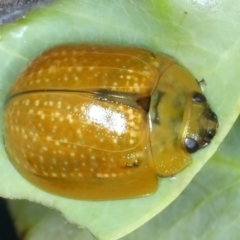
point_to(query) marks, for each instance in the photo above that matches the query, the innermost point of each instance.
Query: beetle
(100, 122)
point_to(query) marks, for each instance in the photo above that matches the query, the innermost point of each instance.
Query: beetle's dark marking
(153, 55)
(156, 118)
(135, 163)
(100, 91)
(144, 103)
(123, 95)
(131, 102)
(40, 91)
(101, 94)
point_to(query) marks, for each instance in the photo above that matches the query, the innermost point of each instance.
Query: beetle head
(202, 123)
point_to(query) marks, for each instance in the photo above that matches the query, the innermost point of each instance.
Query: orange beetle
(102, 122)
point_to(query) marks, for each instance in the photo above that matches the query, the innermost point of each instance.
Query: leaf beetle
(103, 122)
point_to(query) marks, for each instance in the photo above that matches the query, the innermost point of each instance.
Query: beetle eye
(211, 115)
(210, 134)
(191, 145)
(199, 97)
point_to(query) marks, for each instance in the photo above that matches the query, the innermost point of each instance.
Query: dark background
(7, 231)
(10, 10)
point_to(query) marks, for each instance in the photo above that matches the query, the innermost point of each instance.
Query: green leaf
(203, 37)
